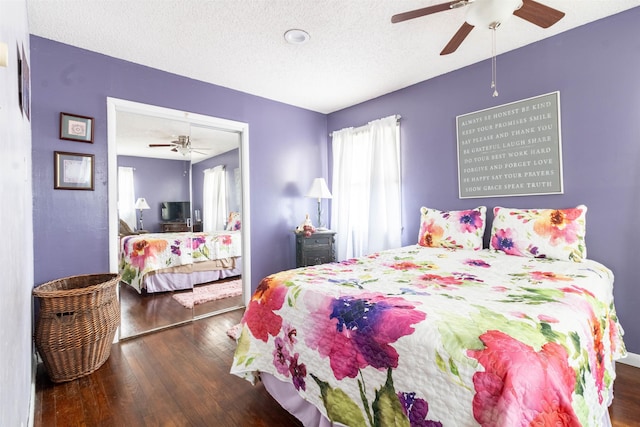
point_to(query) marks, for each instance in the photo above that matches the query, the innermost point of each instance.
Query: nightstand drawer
(317, 257)
(315, 249)
(313, 242)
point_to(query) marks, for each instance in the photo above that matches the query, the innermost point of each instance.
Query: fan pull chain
(494, 73)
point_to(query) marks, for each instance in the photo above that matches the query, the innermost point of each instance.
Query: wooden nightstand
(174, 227)
(315, 249)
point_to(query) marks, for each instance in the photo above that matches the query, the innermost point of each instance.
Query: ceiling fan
(182, 145)
(487, 13)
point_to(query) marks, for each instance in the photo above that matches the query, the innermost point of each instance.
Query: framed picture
(513, 149)
(73, 171)
(25, 91)
(76, 128)
(20, 79)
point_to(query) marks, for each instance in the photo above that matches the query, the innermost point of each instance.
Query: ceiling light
(295, 36)
(491, 13)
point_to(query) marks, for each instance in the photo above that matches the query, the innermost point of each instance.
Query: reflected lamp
(141, 204)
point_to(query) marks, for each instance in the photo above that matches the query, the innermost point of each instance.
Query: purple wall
(157, 180)
(596, 69)
(287, 149)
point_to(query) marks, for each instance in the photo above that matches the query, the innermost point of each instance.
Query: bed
(444, 333)
(158, 262)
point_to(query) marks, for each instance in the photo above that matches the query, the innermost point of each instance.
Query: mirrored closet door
(216, 211)
(179, 215)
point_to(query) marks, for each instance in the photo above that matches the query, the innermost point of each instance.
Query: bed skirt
(285, 394)
(175, 280)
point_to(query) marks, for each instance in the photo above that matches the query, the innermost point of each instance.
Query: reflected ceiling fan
(182, 145)
(488, 14)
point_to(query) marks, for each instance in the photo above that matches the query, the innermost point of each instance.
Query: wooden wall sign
(511, 150)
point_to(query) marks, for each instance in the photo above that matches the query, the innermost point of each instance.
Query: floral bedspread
(439, 337)
(144, 253)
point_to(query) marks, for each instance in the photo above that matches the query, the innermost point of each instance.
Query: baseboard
(32, 403)
(631, 359)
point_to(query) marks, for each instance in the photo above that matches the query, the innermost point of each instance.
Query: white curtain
(126, 196)
(214, 199)
(366, 209)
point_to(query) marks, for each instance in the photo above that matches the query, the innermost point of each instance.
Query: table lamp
(141, 204)
(319, 190)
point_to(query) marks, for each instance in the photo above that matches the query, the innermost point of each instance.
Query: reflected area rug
(206, 293)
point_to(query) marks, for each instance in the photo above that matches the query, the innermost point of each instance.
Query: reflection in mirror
(182, 239)
(217, 228)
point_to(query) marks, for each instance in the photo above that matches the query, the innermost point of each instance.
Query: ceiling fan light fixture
(296, 36)
(491, 13)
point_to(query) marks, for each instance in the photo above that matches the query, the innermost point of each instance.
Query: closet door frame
(113, 106)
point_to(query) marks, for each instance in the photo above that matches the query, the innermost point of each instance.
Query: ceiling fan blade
(457, 39)
(538, 14)
(161, 145)
(427, 11)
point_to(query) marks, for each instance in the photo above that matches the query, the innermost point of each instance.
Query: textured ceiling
(354, 53)
(135, 131)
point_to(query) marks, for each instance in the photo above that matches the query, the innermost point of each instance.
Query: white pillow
(234, 222)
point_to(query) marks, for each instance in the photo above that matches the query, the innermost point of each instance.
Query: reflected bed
(158, 262)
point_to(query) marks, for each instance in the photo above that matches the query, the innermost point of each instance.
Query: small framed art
(25, 92)
(76, 128)
(73, 171)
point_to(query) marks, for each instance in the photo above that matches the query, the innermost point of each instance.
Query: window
(366, 206)
(126, 196)
(214, 199)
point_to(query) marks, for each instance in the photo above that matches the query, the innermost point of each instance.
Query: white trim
(114, 105)
(246, 217)
(34, 372)
(631, 359)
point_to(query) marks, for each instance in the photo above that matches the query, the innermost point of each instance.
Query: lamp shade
(141, 203)
(319, 189)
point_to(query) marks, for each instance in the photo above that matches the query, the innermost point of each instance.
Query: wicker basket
(78, 319)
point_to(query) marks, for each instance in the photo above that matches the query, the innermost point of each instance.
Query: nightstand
(315, 249)
(174, 227)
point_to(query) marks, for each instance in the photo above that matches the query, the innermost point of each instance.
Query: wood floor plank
(625, 410)
(69, 404)
(180, 377)
(121, 388)
(158, 404)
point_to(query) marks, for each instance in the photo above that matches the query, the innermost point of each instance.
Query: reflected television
(175, 211)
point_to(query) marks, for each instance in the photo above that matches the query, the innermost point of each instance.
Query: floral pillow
(234, 221)
(452, 229)
(540, 233)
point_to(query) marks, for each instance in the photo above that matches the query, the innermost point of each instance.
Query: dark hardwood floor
(625, 409)
(180, 377)
(175, 377)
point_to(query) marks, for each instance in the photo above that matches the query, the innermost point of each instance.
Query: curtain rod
(397, 116)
